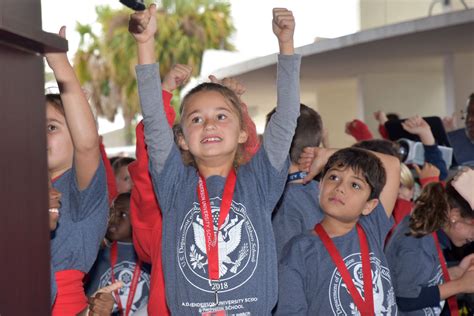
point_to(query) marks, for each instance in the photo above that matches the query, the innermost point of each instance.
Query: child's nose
(210, 124)
(113, 219)
(340, 187)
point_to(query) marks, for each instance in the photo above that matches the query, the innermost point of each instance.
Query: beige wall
(463, 82)
(404, 93)
(337, 103)
(374, 13)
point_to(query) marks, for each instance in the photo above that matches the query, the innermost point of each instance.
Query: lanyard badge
(211, 236)
(365, 306)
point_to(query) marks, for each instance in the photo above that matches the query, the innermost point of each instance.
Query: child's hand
(449, 123)
(231, 83)
(102, 302)
(427, 171)
(284, 27)
(467, 282)
(381, 117)
(176, 77)
(57, 59)
(417, 125)
(463, 182)
(312, 160)
(142, 24)
(467, 263)
(54, 198)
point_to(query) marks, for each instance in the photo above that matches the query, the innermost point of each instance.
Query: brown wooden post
(24, 230)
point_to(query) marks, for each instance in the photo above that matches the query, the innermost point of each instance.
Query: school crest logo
(237, 244)
(123, 271)
(384, 295)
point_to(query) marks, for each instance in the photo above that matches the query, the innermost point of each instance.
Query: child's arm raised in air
(416, 125)
(144, 209)
(280, 130)
(158, 134)
(313, 160)
(78, 116)
(389, 193)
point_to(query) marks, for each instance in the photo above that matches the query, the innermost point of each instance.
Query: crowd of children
(209, 221)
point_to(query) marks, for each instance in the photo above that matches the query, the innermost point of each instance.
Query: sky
(252, 20)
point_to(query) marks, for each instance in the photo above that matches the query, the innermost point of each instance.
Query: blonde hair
(406, 177)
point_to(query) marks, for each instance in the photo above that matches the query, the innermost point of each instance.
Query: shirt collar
(444, 241)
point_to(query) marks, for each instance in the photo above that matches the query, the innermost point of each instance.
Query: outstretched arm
(158, 135)
(418, 126)
(78, 116)
(144, 209)
(280, 130)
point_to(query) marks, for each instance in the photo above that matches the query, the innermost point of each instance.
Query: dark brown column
(24, 230)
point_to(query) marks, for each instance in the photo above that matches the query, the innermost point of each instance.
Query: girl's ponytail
(430, 212)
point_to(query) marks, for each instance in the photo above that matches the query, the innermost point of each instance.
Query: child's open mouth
(213, 139)
(54, 211)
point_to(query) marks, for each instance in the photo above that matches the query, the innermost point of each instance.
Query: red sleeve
(425, 181)
(145, 212)
(359, 130)
(170, 114)
(252, 144)
(401, 210)
(383, 131)
(109, 172)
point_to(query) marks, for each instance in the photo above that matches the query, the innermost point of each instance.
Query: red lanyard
(133, 285)
(212, 242)
(452, 302)
(366, 307)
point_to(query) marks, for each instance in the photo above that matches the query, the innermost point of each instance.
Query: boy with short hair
(298, 208)
(340, 267)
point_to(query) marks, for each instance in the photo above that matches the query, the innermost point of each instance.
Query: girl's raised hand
(283, 24)
(57, 59)
(418, 126)
(142, 24)
(176, 77)
(231, 83)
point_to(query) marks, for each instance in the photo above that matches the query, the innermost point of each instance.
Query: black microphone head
(136, 5)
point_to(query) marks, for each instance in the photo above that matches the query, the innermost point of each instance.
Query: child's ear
(243, 137)
(369, 206)
(454, 214)
(182, 143)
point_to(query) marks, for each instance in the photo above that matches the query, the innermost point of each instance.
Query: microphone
(136, 5)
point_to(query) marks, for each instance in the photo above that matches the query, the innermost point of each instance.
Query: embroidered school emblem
(238, 248)
(384, 295)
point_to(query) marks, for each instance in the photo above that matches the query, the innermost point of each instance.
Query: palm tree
(105, 64)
